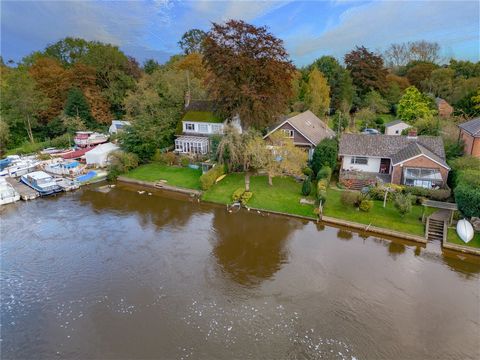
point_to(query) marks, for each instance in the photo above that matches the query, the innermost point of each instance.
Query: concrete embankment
(158, 185)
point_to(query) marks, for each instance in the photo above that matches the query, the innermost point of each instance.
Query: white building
(99, 156)
(117, 126)
(395, 127)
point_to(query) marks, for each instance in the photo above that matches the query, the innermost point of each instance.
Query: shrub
(308, 172)
(322, 196)
(403, 204)
(242, 196)
(184, 161)
(121, 162)
(306, 187)
(433, 194)
(208, 179)
(168, 158)
(325, 154)
(247, 195)
(468, 199)
(470, 177)
(325, 173)
(237, 194)
(351, 198)
(322, 185)
(366, 205)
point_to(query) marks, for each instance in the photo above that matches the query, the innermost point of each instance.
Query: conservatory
(185, 144)
(427, 178)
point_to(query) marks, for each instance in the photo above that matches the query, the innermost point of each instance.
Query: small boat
(41, 182)
(92, 177)
(71, 168)
(7, 193)
(465, 230)
(89, 138)
(20, 167)
(67, 185)
(5, 162)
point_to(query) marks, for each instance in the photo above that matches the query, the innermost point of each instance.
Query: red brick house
(403, 160)
(306, 130)
(470, 134)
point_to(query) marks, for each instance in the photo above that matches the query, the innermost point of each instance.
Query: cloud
(379, 24)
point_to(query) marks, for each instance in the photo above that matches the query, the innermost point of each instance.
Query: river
(115, 274)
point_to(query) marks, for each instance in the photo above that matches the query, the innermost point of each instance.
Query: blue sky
(151, 29)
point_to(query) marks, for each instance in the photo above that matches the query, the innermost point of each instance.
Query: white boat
(64, 167)
(465, 230)
(20, 167)
(7, 193)
(41, 182)
(67, 185)
(89, 138)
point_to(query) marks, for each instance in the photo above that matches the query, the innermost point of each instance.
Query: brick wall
(420, 162)
(472, 145)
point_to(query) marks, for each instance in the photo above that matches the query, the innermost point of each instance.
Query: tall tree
(150, 65)
(440, 83)
(250, 72)
(375, 102)
(465, 69)
(192, 41)
(366, 69)
(317, 96)
(419, 72)
(414, 105)
(77, 106)
(339, 80)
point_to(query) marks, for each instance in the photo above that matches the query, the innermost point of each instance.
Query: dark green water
(93, 275)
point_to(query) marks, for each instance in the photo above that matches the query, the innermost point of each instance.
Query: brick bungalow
(443, 107)
(470, 134)
(403, 160)
(306, 130)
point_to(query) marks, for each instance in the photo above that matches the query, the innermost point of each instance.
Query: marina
(26, 192)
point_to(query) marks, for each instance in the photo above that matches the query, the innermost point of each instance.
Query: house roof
(201, 116)
(200, 105)
(397, 148)
(472, 127)
(395, 122)
(309, 125)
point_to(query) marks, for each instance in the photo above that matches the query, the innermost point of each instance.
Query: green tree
(317, 95)
(325, 154)
(465, 69)
(251, 74)
(77, 106)
(440, 83)
(419, 72)
(340, 121)
(375, 102)
(4, 136)
(468, 199)
(150, 65)
(414, 105)
(192, 41)
(367, 70)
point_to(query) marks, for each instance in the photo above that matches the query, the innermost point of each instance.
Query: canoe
(465, 230)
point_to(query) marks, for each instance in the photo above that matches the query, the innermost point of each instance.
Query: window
(203, 128)
(397, 132)
(359, 160)
(427, 178)
(216, 128)
(189, 127)
(288, 133)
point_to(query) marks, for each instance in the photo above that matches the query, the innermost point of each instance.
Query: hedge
(468, 199)
(208, 179)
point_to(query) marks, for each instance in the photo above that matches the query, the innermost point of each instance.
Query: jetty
(26, 193)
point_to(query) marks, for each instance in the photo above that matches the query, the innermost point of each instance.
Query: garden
(184, 177)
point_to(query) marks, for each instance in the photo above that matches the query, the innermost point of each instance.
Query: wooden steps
(435, 229)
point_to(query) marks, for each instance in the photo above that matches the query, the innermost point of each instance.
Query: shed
(99, 156)
(395, 127)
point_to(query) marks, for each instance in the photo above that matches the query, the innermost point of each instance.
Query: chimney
(412, 134)
(187, 99)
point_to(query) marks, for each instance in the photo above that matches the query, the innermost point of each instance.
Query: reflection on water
(116, 274)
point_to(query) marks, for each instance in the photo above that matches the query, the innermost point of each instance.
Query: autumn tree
(150, 65)
(366, 69)
(339, 80)
(192, 41)
(317, 95)
(419, 72)
(250, 72)
(414, 105)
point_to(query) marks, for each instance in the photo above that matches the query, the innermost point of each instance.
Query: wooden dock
(26, 193)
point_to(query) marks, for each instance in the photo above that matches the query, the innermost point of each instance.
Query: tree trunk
(28, 125)
(247, 181)
(270, 180)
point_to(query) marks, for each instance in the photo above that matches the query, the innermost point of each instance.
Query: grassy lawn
(174, 175)
(387, 217)
(454, 239)
(283, 196)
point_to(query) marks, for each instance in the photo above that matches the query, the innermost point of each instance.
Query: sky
(310, 29)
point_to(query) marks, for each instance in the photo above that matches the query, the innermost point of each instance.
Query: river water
(116, 274)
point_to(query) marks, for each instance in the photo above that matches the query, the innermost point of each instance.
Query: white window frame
(203, 128)
(216, 128)
(189, 127)
(359, 160)
(288, 133)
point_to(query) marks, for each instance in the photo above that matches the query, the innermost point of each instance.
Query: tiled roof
(472, 127)
(415, 149)
(394, 122)
(390, 146)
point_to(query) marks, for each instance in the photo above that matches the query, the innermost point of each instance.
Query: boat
(20, 167)
(76, 154)
(7, 193)
(67, 184)
(71, 168)
(41, 182)
(465, 230)
(89, 138)
(92, 177)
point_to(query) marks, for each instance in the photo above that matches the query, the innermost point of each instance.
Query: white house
(117, 126)
(198, 124)
(395, 127)
(99, 155)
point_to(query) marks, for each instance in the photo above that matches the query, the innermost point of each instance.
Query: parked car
(369, 131)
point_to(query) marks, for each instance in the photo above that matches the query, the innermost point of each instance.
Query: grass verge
(453, 238)
(174, 175)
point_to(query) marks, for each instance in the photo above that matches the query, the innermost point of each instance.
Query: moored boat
(42, 182)
(20, 167)
(7, 193)
(89, 138)
(67, 185)
(68, 168)
(465, 230)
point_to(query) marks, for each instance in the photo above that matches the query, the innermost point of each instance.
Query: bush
(366, 205)
(208, 179)
(433, 194)
(121, 162)
(237, 194)
(242, 196)
(306, 187)
(470, 177)
(351, 198)
(308, 172)
(322, 185)
(247, 195)
(468, 199)
(403, 204)
(184, 161)
(322, 196)
(325, 173)
(168, 158)
(325, 154)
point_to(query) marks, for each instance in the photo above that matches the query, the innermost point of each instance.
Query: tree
(465, 69)
(4, 136)
(68, 51)
(21, 100)
(339, 80)
(150, 65)
(366, 117)
(375, 102)
(317, 95)
(403, 204)
(419, 72)
(231, 149)
(397, 55)
(77, 106)
(340, 121)
(325, 154)
(366, 69)
(424, 51)
(192, 41)
(414, 105)
(251, 74)
(193, 63)
(468, 199)
(440, 83)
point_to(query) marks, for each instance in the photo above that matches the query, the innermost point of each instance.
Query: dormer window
(189, 127)
(288, 133)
